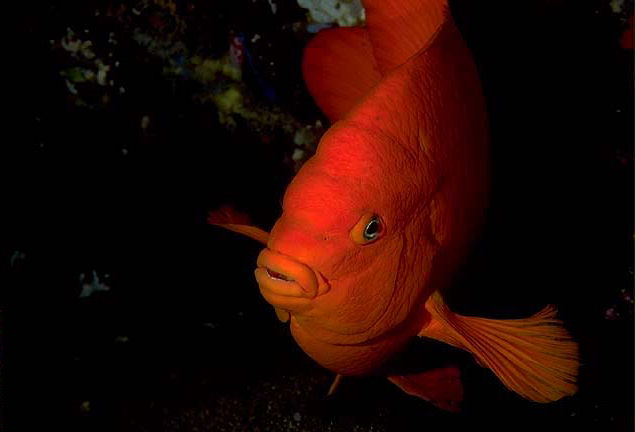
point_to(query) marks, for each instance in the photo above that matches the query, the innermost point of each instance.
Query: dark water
(182, 341)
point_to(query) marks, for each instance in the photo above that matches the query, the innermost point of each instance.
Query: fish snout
(285, 282)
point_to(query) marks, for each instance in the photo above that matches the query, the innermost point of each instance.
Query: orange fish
(378, 221)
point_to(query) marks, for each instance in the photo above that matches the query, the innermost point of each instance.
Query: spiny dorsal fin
(535, 357)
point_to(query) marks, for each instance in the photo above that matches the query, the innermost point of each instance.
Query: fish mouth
(285, 282)
(278, 276)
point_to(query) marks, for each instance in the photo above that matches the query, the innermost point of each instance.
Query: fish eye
(368, 229)
(372, 229)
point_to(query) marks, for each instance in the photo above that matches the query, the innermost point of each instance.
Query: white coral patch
(345, 13)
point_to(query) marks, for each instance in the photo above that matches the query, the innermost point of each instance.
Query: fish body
(414, 153)
(377, 222)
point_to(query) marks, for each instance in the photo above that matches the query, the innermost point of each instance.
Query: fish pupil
(372, 229)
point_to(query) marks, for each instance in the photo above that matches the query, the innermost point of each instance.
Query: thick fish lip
(288, 284)
(284, 276)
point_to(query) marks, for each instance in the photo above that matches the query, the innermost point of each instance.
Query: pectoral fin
(233, 220)
(535, 357)
(282, 314)
(250, 231)
(442, 387)
(334, 385)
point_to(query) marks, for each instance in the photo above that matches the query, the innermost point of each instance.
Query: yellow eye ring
(368, 229)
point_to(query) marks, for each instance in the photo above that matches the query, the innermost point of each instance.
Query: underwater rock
(345, 13)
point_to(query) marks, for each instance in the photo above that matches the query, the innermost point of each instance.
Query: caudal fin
(339, 69)
(397, 29)
(341, 65)
(535, 357)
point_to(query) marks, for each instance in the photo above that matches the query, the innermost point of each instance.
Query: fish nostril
(279, 276)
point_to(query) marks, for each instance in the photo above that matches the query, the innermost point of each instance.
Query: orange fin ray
(442, 387)
(283, 315)
(534, 357)
(233, 220)
(339, 69)
(335, 385)
(250, 231)
(400, 28)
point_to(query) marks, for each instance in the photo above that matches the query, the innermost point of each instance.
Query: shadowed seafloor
(123, 310)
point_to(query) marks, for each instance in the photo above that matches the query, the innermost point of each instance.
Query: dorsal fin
(339, 68)
(399, 28)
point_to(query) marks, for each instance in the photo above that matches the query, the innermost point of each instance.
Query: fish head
(351, 255)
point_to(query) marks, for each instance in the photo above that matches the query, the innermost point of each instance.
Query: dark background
(182, 341)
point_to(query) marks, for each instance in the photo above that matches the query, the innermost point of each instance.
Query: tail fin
(399, 28)
(339, 69)
(341, 65)
(535, 357)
